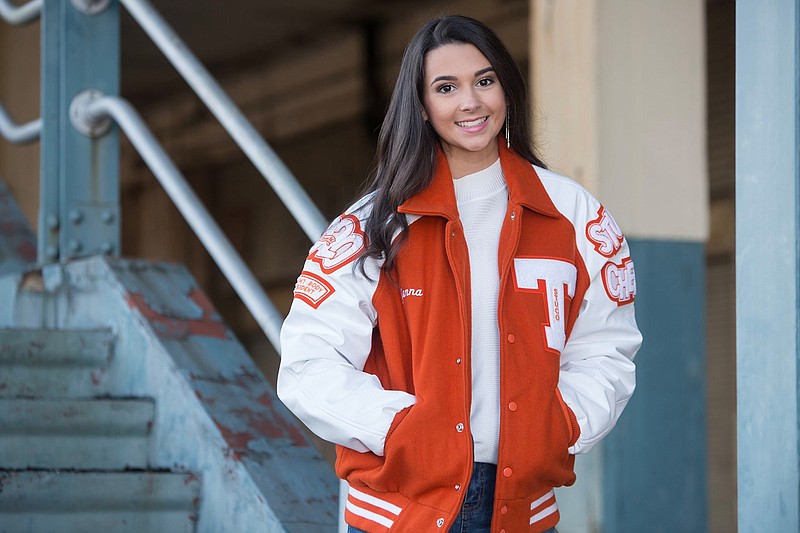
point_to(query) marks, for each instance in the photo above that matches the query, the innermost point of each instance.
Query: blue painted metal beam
(79, 197)
(767, 222)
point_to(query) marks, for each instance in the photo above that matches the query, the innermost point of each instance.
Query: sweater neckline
(480, 184)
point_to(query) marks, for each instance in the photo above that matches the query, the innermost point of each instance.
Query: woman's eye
(446, 88)
(485, 82)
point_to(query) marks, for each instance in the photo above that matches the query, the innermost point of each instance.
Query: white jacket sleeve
(597, 376)
(325, 342)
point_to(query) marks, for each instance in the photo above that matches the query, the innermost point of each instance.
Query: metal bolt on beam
(52, 222)
(88, 124)
(107, 217)
(52, 252)
(90, 7)
(75, 216)
(74, 246)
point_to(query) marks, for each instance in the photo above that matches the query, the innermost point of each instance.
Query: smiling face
(465, 104)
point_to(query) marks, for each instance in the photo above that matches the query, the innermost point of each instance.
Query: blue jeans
(476, 512)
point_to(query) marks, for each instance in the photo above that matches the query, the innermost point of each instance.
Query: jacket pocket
(370, 470)
(571, 421)
(398, 418)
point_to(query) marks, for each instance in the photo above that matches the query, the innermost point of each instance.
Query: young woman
(467, 326)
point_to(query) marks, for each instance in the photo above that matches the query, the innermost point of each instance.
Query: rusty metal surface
(17, 240)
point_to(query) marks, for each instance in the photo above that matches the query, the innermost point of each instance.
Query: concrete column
(767, 180)
(619, 88)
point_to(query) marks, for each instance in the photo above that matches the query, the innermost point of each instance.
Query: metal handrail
(19, 134)
(243, 133)
(175, 184)
(19, 15)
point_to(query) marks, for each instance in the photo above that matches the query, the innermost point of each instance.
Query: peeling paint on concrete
(215, 412)
(264, 422)
(176, 328)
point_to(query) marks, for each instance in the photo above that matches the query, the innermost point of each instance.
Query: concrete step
(69, 433)
(46, 501)
(54, 363)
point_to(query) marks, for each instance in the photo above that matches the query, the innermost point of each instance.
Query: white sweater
(482, 199)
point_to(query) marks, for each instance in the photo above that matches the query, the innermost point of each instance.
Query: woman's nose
(469, 101)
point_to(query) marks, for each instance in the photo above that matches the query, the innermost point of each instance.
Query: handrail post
(79, 211)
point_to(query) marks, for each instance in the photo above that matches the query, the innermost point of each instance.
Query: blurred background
(634, 99)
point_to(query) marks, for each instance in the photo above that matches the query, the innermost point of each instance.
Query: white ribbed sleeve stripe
(544, 513)
(377, 502)
(369, 515)
(541, 500)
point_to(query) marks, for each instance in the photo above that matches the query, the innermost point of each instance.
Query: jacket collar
(524, 188)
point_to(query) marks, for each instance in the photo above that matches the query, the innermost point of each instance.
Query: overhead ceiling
(226, 35)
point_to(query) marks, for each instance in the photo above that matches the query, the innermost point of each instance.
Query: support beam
(79, 194)
(767, 226)
(619, 88)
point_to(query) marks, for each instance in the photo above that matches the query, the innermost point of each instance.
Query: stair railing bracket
(89, 124)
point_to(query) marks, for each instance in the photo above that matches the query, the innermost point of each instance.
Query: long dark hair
(407, 143)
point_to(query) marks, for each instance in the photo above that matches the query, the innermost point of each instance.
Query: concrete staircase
(127, 405)
(73, 456)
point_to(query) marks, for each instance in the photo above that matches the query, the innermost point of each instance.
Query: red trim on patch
(604, 233)
(620, 281)
(549, 301)
(341, 244)
(312, 289)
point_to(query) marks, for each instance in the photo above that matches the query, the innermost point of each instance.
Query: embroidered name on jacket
(604, 233)
(340, 244)
(410, 292)
(555, 280)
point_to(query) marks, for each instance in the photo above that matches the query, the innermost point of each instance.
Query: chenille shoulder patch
(604, 233)
(341, 243)
(620, 281)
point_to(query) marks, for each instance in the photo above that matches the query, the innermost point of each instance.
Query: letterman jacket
(381, 366)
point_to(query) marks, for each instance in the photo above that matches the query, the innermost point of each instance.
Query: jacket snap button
(453, 234)
(440, 522)
(504, 509)
(502, 531)
(512, 406)
(511, 338)
(458, 361)
(507, 472)
(457, 487)
(459, 427)
(513, 215)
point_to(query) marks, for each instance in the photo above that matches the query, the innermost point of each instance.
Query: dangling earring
(508, 139)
